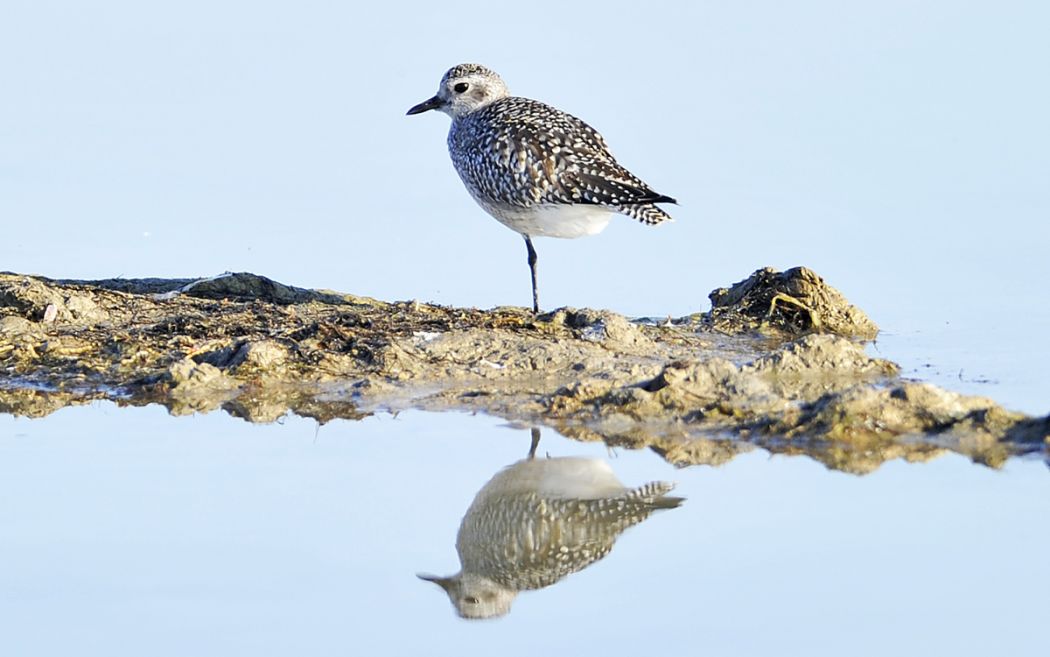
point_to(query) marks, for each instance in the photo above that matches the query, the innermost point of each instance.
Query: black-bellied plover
(536, 169)
(540, 520)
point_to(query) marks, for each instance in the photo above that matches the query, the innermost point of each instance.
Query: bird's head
(464, 89)
(474, 596)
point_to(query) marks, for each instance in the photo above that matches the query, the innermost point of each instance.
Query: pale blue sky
(901, 149)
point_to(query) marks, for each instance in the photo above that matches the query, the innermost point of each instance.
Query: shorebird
(538, 521)
(534, 168)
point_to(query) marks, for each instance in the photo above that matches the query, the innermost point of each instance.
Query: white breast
(567, 221)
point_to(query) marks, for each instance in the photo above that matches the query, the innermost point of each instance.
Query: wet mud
(779, 362)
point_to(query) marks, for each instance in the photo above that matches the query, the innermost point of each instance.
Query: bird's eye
(461, 87)
(471, 600)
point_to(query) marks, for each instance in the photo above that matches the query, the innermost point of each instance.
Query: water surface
(126, 531)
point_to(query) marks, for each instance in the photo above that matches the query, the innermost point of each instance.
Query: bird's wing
(550, 156)
(608, 183)
(577, 166)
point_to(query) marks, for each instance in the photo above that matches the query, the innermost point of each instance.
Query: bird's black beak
(426, 106)
(443, 582)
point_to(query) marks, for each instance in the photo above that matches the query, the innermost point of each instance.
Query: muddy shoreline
(779, 362)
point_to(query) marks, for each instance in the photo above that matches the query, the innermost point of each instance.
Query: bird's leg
(532, 269)
(535, 442)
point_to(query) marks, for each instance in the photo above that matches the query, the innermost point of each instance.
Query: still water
(124, 531)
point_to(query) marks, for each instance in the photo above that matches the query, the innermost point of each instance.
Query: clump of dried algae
(779, 362)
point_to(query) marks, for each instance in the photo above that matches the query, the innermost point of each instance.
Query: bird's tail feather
(646, 213)
(655, 494)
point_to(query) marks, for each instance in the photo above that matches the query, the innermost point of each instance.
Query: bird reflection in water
(537, 521)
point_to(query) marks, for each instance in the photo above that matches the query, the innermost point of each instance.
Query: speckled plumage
(527, 541)
(538, 170)
(523, 153)
(538, 521)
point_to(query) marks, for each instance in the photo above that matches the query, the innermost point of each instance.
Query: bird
(536, 169)
(537, 521)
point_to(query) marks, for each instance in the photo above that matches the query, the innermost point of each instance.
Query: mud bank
(779, 362)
